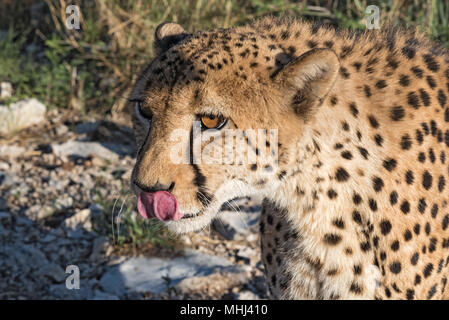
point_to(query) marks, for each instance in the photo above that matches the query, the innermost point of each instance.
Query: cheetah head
(217, 115)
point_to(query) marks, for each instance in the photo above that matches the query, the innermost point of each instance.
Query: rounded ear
(312, 75)
(168, 34)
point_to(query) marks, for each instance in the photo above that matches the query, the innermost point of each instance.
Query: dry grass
(115, 40)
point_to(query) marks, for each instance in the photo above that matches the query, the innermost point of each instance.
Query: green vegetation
(120, 223)
(92, 69)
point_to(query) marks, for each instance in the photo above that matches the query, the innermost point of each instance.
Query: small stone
(5, 90)
(246, 295)
(20, 115)
(81, 219)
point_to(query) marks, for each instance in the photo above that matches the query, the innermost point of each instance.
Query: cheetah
(356, 199)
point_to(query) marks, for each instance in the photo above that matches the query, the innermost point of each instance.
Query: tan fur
(343, 216)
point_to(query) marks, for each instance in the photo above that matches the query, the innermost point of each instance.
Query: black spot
(409, 178)
(427, 180)
(431, 155)
(404, 80)
(393, 198)
(363, 152)
(385, 227)
(373, 121)
(432, 65)
(345, 126)
(254, 167)
(372, 204)
(409, 52)
(413, 100)
(334, 100)
(433, 127)
(425, 127)
(365, 246)
(415, 258)
(405, 207)
(446, 115)
(417, 279)
(419, 136)
(442, 98)
(395, 267)
(397, 113)
(346, 155)
(431, 82)
(432, 292)
(390, 164)
(421, 157)
(410, 294)
(357, 65)
(407, 235)
(428, 270)
(332, 239)
(341, 175)
(424, 97)
(432, 245)
(378, 184)
(427, 228)
(422, 205)
(355, 288)
(356, 198)
(434, 210)
(445, 222)
(367, 90)
(357, 269)
(381, 84)
(356, 217)
(339, 223)
(416, 228)
(417, 71)
(406, 142)
(338, 146)
(282, 174)
(354, 109)
(395, 245)
(331, 194)
(344, 72)
(379, 140)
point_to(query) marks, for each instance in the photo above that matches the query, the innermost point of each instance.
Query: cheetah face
(211, 126)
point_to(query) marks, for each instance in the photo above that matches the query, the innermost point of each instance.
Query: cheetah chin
(191, 222)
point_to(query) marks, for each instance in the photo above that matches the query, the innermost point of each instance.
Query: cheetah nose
(161, 205)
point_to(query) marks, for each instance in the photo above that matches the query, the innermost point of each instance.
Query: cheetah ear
(311, 76)
(167, 35)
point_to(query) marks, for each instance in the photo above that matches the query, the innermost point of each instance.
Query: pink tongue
(161, 204)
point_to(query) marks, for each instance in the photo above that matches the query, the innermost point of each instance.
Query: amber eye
(212, 122)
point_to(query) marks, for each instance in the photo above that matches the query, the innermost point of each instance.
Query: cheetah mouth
(192, 222)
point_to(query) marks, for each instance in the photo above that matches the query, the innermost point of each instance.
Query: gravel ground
(58, 182)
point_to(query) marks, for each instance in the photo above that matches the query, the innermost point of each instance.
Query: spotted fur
(357, 203)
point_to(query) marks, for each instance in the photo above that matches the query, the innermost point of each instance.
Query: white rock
(20, 115)
(157, 275)
(81, 219)
(83, 149)
(10, 151)
(5, 90)
(246, 295)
